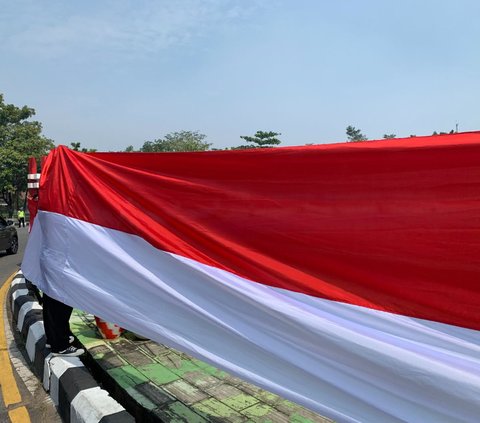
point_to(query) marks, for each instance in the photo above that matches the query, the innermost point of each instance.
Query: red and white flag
(343, 277)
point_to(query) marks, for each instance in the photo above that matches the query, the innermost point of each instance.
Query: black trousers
(56, 316)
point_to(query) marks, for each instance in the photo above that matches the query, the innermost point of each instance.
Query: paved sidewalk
(157, 383)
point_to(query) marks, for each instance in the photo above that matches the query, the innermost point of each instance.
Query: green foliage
(129, 149)
(444, 133)
(77, 146)
(389, 136)
(354, 134)
(20, 139)
(177, 141)
(261, 139)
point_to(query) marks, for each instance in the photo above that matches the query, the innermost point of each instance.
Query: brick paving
(159, 383)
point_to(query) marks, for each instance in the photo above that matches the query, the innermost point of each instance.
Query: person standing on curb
(56, 316)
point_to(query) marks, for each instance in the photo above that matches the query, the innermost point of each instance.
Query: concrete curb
(74, 391)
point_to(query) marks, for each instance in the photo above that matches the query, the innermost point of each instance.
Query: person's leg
(56, 316)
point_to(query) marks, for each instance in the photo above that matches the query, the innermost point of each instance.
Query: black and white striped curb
(74, 391)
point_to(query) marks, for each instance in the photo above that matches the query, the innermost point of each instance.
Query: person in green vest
(21, 218)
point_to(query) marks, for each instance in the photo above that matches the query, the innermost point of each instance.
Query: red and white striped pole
(33, 185)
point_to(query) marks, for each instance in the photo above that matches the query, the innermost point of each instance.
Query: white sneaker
(70, 341)
(71, 351)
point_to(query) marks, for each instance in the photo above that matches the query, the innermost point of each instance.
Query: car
(8, 237)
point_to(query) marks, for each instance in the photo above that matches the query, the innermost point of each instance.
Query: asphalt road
(33, 397)
(11, 263)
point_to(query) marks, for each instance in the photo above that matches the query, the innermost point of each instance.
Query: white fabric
(349, 363)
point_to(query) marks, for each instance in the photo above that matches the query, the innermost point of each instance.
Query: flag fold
(343, 277)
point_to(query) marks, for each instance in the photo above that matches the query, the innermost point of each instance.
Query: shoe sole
(75, 354)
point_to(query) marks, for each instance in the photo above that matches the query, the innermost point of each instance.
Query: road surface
(22, 398)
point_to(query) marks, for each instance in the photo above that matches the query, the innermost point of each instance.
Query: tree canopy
(20, 139)
(354, 134)
(261, 139)
(77, 146)
(451, 132)
(175, 142)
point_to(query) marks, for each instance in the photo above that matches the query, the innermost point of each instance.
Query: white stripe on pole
(33, 185)
(33, 176)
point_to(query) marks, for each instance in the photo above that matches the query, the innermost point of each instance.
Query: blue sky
(114, 73)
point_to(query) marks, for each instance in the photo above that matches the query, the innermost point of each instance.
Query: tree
(177, 141)
(354, 134)
(261, 139)
(389, 136)
(76, 146)
(452, 131)
(20, 139)
(129, 149)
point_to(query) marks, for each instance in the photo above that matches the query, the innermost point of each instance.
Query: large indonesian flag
(344, 277)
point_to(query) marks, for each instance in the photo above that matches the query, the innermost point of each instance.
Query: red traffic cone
(108, 330)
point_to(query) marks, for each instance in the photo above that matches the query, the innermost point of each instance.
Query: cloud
(57, 28)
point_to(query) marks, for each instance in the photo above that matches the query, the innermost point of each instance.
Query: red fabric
(392, 225)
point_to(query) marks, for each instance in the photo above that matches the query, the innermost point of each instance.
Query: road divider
(73, 390)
